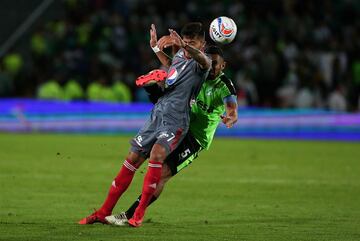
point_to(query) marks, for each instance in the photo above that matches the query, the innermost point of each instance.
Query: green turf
(238, 190)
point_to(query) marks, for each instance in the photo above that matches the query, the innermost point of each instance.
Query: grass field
(238, 190)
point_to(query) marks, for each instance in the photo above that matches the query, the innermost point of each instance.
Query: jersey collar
(217, 79)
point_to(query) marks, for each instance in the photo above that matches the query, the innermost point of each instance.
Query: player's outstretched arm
(164, 59)
(231, 116)
(196, 54)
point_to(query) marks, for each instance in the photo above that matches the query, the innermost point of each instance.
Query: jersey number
(185, 153)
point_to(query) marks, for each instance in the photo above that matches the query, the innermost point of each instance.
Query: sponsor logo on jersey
(172, 76)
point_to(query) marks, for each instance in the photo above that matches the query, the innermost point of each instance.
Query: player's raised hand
(165, 42)
(153, 36)
(177, 39)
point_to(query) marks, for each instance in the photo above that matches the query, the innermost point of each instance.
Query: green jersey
(209, 105)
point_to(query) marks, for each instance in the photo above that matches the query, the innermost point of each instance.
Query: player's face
(196, 42)
(217, 66)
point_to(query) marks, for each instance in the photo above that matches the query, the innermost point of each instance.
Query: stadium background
(68, 67)
(288, 55)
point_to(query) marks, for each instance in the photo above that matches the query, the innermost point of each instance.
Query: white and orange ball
(223, 30)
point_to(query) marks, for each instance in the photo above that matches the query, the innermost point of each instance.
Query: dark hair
(193, 30)
(213, 49)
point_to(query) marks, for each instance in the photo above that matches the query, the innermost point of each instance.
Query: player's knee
(135, 159)
(158, 153)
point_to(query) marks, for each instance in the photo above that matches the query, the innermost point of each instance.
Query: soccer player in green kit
(217, 95)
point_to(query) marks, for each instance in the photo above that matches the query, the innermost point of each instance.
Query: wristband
(156, 49)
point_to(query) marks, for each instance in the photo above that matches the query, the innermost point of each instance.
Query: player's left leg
(168, 138)
(180, 158)
(151, 180)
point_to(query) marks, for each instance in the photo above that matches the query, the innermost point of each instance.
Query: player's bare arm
(166, 42)
(231, 116)
(196, 54)
(164, 59)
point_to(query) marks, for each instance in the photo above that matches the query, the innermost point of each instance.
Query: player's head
(194, 35)
(218, 63)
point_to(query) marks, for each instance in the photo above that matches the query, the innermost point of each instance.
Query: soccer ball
(222, 30)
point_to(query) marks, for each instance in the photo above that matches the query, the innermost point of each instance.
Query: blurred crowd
(289, 53)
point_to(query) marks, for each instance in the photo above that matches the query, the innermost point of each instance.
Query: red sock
(151, 180)
(118, 187)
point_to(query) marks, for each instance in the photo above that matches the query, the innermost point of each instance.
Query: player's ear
(203, 45)
(223, 65)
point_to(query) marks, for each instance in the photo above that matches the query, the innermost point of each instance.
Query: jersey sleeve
(228, 89)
